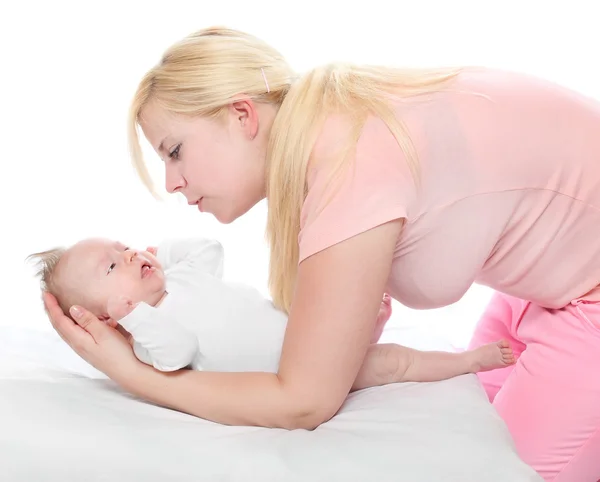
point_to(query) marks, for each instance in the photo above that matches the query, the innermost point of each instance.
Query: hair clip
(265, 79)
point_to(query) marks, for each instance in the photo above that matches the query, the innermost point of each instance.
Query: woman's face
(217, 164)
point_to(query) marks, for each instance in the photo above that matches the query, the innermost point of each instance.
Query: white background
(69, 69)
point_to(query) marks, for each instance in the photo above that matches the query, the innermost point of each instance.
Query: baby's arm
(204, 254)
(390, 363)
(161, 343)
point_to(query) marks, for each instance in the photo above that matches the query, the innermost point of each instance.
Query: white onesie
(205, 323)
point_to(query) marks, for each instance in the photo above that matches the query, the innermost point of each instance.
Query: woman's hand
(102, 346)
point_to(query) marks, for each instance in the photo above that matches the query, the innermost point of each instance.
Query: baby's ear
(108, 320)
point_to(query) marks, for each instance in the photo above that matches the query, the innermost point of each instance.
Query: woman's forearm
(249, 398)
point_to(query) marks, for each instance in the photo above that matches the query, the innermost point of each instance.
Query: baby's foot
(385, 312)
(493, 356)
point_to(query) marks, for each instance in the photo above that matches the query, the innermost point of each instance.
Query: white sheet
(61, 424)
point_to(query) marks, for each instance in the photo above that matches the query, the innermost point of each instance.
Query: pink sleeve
(376, 188)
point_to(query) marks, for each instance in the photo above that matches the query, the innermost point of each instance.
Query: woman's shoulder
(360, 142)
(349, 195)
(331, 137)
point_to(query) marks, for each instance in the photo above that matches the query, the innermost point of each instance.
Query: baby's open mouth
(147, 270)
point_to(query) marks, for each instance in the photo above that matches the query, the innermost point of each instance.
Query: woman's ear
(245, 115)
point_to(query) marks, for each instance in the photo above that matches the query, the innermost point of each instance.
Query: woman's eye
(112, 266)
(174, 154)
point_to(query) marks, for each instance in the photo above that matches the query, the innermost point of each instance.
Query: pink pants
(550, 399)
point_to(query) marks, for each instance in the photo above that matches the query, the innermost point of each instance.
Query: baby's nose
(130, 255)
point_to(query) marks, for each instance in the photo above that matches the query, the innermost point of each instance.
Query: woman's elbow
(308, 416)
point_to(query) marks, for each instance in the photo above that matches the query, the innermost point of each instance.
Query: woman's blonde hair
(201, 74)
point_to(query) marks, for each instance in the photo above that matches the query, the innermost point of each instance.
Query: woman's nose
(174, 181)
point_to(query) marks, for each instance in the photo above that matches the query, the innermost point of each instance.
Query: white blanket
(61, 424)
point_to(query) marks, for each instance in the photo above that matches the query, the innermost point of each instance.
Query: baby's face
(101, 269)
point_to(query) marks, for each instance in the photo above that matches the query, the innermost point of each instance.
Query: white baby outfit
(205, 323)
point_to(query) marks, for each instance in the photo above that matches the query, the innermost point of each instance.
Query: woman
(413, 182)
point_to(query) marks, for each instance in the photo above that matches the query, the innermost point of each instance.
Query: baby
(177, 312)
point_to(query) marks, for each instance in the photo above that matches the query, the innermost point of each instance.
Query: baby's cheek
(149, 286)
(128, 287)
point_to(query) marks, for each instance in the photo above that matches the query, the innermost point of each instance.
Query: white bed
(63, 421)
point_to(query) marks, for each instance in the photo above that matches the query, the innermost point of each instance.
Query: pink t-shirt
(509, 193)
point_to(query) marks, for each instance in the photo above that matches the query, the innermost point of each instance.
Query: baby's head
(93, 271)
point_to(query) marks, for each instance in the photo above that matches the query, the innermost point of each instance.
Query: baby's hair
(46, 263)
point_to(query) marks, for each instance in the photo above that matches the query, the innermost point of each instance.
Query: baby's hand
(119, 307)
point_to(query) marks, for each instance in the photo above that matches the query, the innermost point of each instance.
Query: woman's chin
(224, 216)
(224, 219)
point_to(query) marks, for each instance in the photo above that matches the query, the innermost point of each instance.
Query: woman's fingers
(94, 341)
(52, 307)
(70, 332)
(89, 322)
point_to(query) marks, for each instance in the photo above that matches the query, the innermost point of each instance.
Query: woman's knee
(555, 429)
(499, 320)
(551, 400)
(496, 323)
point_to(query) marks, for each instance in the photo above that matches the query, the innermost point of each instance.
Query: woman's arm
(335, 306)
(334, 310)
(333, 313)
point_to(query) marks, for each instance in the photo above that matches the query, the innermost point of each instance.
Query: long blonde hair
(201, 74)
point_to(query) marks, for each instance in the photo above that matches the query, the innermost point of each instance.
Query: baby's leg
(391, 363)
(381, 366)
(385, 311)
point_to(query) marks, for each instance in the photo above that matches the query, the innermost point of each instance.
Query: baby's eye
(112, 266)
(174, 154)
